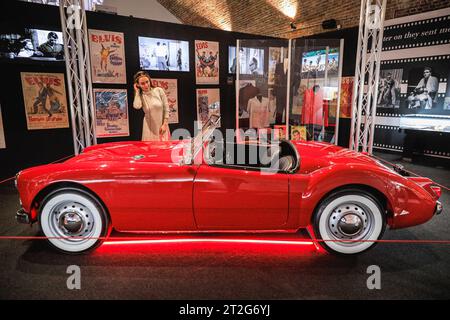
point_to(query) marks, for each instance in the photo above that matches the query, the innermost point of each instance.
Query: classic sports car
(347, 197)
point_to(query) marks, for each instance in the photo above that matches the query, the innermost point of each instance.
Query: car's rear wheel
(73, 220)
(349, 222)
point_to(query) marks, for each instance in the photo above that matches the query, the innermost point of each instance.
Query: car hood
(150, 151)
(316, 155)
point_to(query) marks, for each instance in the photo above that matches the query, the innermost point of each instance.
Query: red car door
(239, 199)
(153, 197)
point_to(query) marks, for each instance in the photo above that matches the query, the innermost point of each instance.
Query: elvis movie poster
(107, 50)
(208, 103)
(45, 101)
(170, 87)
(206, 62)
(2, 133)
(111, 113)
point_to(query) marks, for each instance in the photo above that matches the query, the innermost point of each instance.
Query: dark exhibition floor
(31, 270)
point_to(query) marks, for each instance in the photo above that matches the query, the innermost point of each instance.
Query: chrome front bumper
(22, 217)
(439, 208)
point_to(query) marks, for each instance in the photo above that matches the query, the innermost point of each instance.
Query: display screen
(34, 44)
(251, 60)
(163, 54)
(315, 62)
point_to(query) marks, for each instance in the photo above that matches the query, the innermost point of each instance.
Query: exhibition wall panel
(25, 148)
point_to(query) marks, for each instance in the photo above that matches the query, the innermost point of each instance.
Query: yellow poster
(298, 133)
(107, 50)
(44, 96)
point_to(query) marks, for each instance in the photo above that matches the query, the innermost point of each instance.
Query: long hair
(140, 74)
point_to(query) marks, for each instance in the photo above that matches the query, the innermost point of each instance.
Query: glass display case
(315, 82)
(261, 88)
(287, 89)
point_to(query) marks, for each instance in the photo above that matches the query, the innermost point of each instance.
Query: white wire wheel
(73, 220)
(349, 222)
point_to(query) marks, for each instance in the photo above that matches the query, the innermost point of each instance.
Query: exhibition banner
(170, 87)
(414, 81)
(206, 62)
(111, 113)
(415, 66)
(2, 133)
(44, 96)
(107, 51)
(208, 103)
(345, 107)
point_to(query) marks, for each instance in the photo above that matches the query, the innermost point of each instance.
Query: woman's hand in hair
(136, 89)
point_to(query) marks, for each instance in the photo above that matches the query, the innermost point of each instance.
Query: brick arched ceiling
(273, 17)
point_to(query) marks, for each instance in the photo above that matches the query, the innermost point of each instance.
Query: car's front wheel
(349, 221)
(73, 220)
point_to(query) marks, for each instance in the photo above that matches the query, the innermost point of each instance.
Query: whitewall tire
(73, 220)
(349, 222)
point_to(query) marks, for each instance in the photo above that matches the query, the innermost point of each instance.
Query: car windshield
(204, 134)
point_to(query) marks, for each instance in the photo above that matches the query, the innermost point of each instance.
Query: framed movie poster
(44, 96)
(107, 56)
(206, 62)
(208, 103)
(170, 87)
(2, 133)
(111, 113)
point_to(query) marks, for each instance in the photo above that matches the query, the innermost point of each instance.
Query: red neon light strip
(124, 240)
(209, 240)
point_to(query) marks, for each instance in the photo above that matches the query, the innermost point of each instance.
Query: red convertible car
(347, 197)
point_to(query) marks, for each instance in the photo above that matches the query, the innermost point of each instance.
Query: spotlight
(293, 26)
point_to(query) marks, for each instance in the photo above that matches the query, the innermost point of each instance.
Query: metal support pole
(368, 60)
(78, 69)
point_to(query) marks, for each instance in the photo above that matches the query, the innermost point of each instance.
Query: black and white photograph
(163, 54)
(389, 88)
(423, 85)
(251, 60)
(34, 44)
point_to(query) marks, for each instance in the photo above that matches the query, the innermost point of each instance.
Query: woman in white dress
(153, 101)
